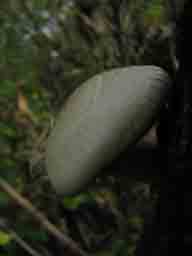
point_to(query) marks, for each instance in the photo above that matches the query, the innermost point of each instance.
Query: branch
(24, 244)
(67, 242)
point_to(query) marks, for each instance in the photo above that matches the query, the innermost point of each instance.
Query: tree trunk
(166, 231)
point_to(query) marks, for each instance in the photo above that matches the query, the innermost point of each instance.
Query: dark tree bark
(170, 226)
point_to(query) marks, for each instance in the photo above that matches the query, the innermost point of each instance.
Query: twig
(67, 242)
(24, 244)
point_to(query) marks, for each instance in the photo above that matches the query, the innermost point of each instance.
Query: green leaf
(28, 232)
(40, 236)
(8, 130)
(6, 163)
(10, 175)
(4, 199)
(73, 202)
(8, 89)
(120, 248)
(136, 222)
(5, 238)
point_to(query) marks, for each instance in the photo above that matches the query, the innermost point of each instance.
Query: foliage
(4, 238)
(47, 49)
(101, 38)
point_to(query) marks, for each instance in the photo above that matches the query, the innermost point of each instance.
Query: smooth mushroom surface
(101, 118)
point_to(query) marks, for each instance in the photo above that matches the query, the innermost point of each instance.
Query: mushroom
(102, 119)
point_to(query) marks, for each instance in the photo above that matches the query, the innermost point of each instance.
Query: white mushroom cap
(100, 119)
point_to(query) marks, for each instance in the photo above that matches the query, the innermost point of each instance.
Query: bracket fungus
(100, 120)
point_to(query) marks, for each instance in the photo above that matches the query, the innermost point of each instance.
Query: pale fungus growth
(101, 118)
